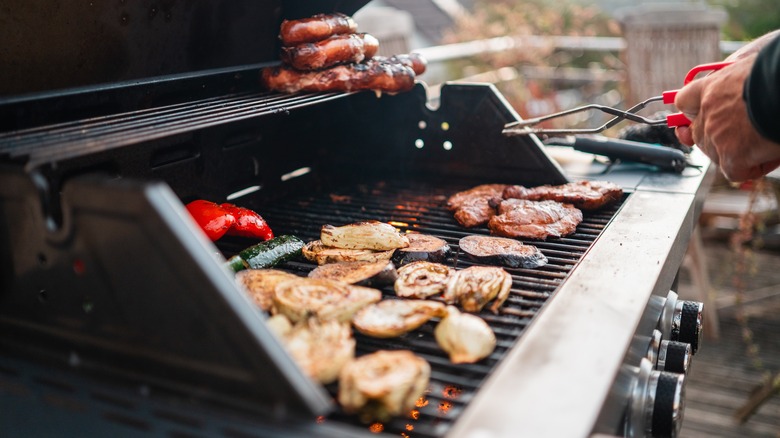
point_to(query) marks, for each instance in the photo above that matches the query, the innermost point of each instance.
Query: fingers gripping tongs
(663, 157)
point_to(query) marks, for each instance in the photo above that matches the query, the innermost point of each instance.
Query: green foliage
(749, 19)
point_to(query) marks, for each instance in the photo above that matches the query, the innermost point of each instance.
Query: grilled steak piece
(585, 195)
(472, 207)
(534, 219)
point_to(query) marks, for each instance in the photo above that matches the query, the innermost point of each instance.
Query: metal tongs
(526, 127)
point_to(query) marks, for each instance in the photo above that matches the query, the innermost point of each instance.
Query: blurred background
(550, 55)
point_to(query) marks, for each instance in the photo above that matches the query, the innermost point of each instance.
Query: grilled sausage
(316, 28)
(377, 75)
(338, 49)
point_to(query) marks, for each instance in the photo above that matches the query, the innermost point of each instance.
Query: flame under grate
(419, 207)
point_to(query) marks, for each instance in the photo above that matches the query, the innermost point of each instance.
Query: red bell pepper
(248, 223)
(212, 218)
(218, 220)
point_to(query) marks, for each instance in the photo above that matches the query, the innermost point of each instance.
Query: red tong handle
(679, 119)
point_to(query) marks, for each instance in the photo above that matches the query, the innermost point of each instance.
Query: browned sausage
(414, 60)
(377, 75)
(316, 28)
(339, 49)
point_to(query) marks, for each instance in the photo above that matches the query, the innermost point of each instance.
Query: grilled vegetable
(213, 219)
(391, 318)
(320, 348)
(476, 286)
(326, 299)
(261, 283)
(248, 223)
(422, 279)
(422, 247)
(379, 273)
(383, 384)
(219, 220)
(316, 252)
(267, 254)
(502, 251)
(363, 235)
(466, 338)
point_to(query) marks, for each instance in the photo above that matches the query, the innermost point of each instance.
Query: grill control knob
(657, 403)
(674, 357)
(682, 321)
(687, 323)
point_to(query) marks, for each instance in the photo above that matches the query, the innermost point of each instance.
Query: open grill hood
(104, 275)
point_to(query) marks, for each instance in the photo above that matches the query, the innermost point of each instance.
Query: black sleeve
(762, 91)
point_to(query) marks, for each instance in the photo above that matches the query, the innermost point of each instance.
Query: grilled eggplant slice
(422, 279)
(374, 235)
(315, 251)
(383, 384)
(391, 318)
(320, 348)
(502, 251)
(326, 299)
(376, 274)
(476, 286)
(422, 247)
(261, 283)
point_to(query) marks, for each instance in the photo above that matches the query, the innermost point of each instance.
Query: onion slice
(476, 286)
(422, 279)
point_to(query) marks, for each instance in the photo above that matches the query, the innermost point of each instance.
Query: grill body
(117, 315)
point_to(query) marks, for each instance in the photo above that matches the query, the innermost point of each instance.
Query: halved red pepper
(248, 223)
(212, 218)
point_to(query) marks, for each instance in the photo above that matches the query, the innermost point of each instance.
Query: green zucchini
(267, 254)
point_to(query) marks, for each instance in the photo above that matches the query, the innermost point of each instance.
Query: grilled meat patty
(585, 195)
(472, 207)
(534, 219)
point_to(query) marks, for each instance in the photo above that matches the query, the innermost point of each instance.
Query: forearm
(762, 91)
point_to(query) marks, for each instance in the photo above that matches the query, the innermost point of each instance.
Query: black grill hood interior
(49, 45)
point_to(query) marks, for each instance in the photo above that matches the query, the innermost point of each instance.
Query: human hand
(720, 125)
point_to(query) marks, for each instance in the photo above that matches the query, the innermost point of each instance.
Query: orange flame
(444, 407)
(421, 402)
(320, 419)
(376, 428)
(409, 427)
(451, 391)
(414, 414)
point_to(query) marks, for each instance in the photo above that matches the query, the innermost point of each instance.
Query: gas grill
(118, 316)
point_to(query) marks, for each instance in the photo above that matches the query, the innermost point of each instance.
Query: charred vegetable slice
(320, 348)
(326, 299)
(391, 318)
(261, 283)
(267, 254)
(380, 273)
(422, 247)
(383, 384)
(476, 286)
(499, 250)
(320, 254)
(422, 279)
(374, 235)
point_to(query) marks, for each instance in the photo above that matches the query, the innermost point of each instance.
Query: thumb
(688, 99)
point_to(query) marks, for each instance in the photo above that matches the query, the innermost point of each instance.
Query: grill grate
(64, 140)
(418, 206)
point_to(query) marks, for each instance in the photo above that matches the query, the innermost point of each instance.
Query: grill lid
(49, 45)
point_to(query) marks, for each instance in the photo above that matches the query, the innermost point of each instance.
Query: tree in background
(749, 19)
(534, 84)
